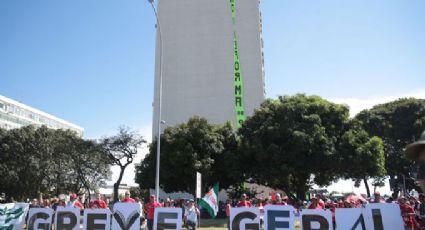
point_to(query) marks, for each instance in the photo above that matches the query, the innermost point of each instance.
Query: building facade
(212, 61)
(14, 114)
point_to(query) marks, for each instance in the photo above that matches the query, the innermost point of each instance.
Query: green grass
(213, 224)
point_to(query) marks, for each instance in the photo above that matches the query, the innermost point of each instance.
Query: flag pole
(199, 221)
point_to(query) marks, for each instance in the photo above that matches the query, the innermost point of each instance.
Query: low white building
(14, 114)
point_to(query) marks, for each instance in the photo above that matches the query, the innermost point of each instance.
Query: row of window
(19, 112)
(13, 119)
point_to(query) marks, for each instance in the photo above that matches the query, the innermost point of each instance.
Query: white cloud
(356, 105)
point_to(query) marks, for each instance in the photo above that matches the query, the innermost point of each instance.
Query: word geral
(373, 217)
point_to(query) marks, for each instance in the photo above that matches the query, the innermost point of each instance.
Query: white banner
(167, 218)
(67, 218)
(126, 216)
(12, 215)
(313, 219)
(383, 216)
(95, 219)
(279, 217)
(351, 218)
(244, 218)
(39, 219)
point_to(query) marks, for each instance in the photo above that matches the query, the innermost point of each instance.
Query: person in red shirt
(377, 198)
(127, 198)
(320, 202)
(73, 202)
(98, 203)
(150, 210)
(243, 202)
(407, 212)
(280, 200)
(314, 204)
(228, 207)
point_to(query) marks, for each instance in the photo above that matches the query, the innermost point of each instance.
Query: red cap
(377, 193)
(73, 196)
(152, 196)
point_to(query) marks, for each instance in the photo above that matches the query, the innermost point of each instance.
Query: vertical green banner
(238, 77)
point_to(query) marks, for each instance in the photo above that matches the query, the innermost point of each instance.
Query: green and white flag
(210, 201)
(12, 215)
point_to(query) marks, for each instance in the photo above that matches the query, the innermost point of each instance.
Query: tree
(290, 143)
(121, 150)
(195, 146)
(48, 161)
(361, 157)
(397, 123)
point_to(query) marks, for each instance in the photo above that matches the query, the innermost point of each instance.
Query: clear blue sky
(91, 61)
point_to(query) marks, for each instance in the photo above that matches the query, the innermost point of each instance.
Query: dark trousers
(150, 224)
(191, 225)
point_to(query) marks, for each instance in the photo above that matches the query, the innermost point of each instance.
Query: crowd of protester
(412, 208)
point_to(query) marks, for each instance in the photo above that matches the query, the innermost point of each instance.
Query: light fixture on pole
(158, 142)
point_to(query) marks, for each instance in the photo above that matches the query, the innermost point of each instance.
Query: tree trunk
(118, 182)
(366, 186)
(301, 188)
(301, 193)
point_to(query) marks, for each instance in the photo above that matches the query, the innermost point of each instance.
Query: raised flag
(210, 201)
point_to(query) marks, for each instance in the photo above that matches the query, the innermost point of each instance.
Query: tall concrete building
(212, 61)
(14, 115)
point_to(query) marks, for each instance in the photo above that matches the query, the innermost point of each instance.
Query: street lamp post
(158, 142)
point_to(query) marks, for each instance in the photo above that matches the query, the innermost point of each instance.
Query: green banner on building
(238, 77)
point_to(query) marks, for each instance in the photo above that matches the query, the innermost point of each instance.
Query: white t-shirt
(191, 214)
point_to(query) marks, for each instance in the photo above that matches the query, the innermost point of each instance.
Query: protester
(74, 203)
(228, 207)
(34, 204)
(98, 203)
(55, 203)
(314, 204)
(407, 212)
(150, 210)
(244, 202)
(280, 200)
(260, 206)
(191, 215)
(420, 212)
(142, 213)
(377, 198)
(320, 201)
(168, 203)
(127, 198)
(121, 197)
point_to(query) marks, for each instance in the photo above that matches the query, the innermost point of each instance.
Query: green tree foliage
(34, 160)
(195, 146)
(290, 143)
(120, 150)
(360, 156)
(397, 123)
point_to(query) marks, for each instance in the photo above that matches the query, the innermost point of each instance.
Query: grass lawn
(212, 224)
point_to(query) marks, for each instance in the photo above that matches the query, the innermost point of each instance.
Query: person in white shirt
(191, 215)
